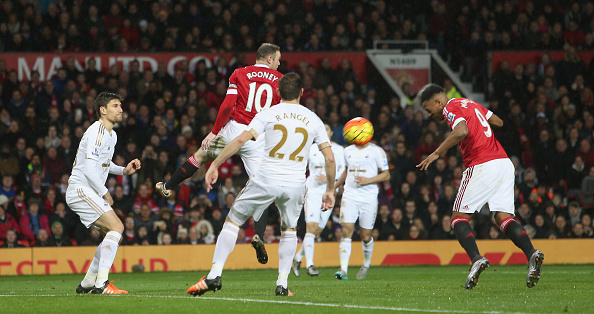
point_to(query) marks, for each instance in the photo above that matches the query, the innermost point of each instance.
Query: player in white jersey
(366, 165)
(89, 198)
(290, 130)
(315, 217)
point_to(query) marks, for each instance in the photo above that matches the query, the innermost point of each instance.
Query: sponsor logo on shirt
(95, 151)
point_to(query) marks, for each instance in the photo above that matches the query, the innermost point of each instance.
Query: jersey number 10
(484, 122)
(255, 97)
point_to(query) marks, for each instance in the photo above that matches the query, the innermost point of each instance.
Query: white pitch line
(363, 307)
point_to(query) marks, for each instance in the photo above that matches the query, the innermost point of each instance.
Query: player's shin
(186, 170)
(91, 276)
(286, 250)
(308, 247)
(300, 253)
(345, 253)
(518, 235)
(465, 236)
(224, 247)
(367, 252)
(109, 248)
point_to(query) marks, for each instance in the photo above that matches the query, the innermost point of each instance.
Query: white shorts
(87, 204)
(491, 182)
(251, 152)
(256, 196)
(364, 210)
(313, 210)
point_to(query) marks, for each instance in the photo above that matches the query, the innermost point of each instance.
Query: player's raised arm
(459, 132)
(495, 121)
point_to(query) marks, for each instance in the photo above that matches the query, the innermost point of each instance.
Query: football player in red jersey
(488, 178)
(251, 90)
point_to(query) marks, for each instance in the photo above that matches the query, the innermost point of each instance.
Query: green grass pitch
(435, 289)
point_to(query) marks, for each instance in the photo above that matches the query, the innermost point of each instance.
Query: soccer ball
(358, 131)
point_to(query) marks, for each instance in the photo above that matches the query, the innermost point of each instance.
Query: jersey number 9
(484, 122)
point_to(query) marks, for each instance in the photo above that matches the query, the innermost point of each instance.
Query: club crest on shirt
(451, 117)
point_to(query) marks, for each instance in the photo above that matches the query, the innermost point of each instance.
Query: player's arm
(128, 170)
(494, 120)
(330, 167)
(212, 174)
(342, 178)
(381, 177)
(459, 132)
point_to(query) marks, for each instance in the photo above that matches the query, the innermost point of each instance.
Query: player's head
(269, 54)
(290, 87)
(109, 106)
(433, 98)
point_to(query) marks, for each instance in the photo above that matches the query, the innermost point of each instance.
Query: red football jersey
(255, 86)
(480, 145)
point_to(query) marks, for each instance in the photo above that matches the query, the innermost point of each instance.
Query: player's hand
(132, 167)
(321, 178)
(211, 177)
(206, 141)
(108, 199)
(425, 163)
(362, 180)
(328, 201)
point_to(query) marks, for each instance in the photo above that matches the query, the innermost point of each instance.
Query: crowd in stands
(547, 109)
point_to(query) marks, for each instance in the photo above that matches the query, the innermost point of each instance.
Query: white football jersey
(366, 162)
(317, 164)
(96, 146)
(290, 131)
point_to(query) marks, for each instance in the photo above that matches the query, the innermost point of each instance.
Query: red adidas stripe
(462, 190)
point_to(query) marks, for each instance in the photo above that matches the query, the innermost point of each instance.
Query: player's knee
(365, 237)
(117, 226)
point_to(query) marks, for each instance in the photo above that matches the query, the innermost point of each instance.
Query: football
(358, 131)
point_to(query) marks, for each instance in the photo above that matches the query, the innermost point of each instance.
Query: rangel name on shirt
(295, 116)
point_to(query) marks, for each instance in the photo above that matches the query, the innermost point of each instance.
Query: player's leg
(251, 156)
(349, 213)
(110, 225)
(368, 214)
(250, 201)
(186, 170)
(502, 203)
(92, 209)
(289, 203)
(345, 250)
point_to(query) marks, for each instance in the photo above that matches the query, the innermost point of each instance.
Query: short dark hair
(290, 86)
(429, 91)
(103, 99)
(265, 50)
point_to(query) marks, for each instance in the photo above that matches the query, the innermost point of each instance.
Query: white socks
(224, 247)
(286, 252)
(308, 247)
(300, 253)
(345, 253)
(367, 252)
(108, 248)
(91, 275)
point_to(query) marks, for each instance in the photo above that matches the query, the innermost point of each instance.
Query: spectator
(58, 237)
(206, 232)
(33, 221)
(7, 221)
(588, 189)
(10, 240)
(444, 230)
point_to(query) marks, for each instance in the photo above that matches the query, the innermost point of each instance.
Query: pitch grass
(437, 289)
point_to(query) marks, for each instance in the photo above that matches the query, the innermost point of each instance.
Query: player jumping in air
(251, 90)
(315, 217)
(290, 131)
(488, 178)
(89, 198)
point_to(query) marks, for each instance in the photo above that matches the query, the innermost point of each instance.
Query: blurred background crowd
(547, 108)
